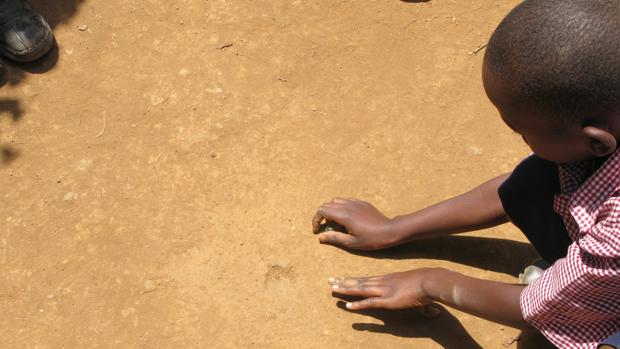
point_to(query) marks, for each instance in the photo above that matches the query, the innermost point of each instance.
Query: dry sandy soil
(161, 167)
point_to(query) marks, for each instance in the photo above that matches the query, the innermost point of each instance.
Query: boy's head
(552, 69)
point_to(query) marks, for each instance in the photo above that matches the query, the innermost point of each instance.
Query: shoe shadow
(58, 11)
(16, 71)
(499, 255)
(445, 329)
(43, 64)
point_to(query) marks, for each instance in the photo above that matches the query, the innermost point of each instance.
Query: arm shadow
(499, 255)
(445, 329)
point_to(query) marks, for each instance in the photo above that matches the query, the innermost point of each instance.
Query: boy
(552, 69)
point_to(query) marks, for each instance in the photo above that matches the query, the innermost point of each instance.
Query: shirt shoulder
(592, 210)
(603, 237)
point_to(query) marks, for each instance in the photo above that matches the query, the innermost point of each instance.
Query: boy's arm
(368, 229)
(495, 301)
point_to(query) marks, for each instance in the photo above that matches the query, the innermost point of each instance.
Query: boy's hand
(392, 291)
(367, 228)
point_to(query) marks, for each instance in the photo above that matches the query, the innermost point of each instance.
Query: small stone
(156, 100)
(149, 286)
(82, 27)
(332, 226)
(70, 196)
(214, 90)
(475, 150)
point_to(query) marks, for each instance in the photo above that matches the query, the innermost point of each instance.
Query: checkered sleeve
(603, 238)
(576, 302)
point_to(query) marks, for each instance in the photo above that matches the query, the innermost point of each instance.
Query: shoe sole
(41, 48)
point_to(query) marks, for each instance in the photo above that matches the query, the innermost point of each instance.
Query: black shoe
(24, 34)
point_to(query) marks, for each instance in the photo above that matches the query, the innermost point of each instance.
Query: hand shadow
(445, 329)
(500, 255)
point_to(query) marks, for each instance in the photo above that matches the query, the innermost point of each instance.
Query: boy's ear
(602, 142)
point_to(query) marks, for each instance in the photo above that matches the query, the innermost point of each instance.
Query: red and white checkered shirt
(576, 302)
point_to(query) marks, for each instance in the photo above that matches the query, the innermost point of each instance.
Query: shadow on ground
(445, 329)
(12, 108)
(499, 255)
(55, 12)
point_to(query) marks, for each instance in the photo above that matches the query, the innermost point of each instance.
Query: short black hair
(560, 56)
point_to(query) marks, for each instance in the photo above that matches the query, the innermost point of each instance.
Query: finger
(337, 239)
(360, 290)
(369, 303)
(346, 282)
(321, 215)
(369, 281)
(378, 278)
(316, 221)
(350, 282)
(333, 212)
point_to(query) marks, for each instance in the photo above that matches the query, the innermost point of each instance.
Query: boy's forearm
(477, 209)
(494, 301)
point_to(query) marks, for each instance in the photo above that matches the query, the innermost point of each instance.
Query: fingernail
(349, 305)
(335, 287)
(331, 279)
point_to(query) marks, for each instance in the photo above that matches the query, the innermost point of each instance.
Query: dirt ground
(161, 167)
